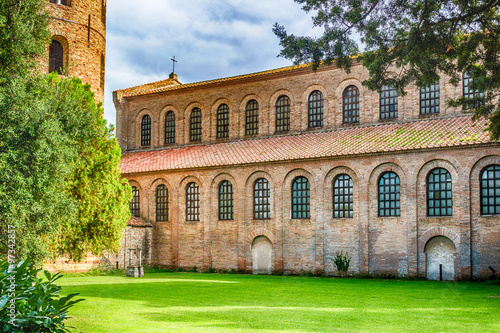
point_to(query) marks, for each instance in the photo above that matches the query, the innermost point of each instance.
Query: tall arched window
(388, 195)
(315, 109)
(161, 200)
(225, 200)
(283, 114)
(56, 57)
(195, 125)
(343, 200)
(170, 128)
(261, 199)
(350, 105)
(490, 190)
(252, 118)
(429, 99)
(146, 131)
(472, 93)
(388, 103)
(439, 193)
(192, 202)
(222, 121)
(134, 205)
(301, 202)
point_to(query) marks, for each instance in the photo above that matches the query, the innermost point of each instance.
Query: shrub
(194, 270)
(31, 304)
(342, 261)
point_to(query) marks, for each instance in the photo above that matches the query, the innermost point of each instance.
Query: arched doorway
(262, 250)
(440, 253)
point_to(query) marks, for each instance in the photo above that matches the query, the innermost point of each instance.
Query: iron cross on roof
(174, 61)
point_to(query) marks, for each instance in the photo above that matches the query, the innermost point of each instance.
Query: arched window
(315, 109)
(261, 199)
(350, 105)
(134, 205)
(439, 193)
(225, 200)
(56, 57)
(252, 118)
(490, 190)
(301, 198)
(222, 121)
(192, 202)
(343, 202)
(195, 125)
(388, 103)
(472, 93)
(283, 114)
(170, 128)
(388, 195)
(429, 99)
(146, 131)
(161, 199)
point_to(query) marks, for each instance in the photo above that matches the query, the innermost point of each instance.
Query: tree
(409, 42)
(54, 143)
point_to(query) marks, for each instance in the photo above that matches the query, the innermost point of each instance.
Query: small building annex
(277, 171)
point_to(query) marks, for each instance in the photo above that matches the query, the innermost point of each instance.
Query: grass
(190, 302)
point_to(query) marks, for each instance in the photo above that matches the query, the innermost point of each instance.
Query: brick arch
(66, 48)
(242, 114)
(138, 123)
(328, 189)
(482, 163)
(272, 108)
(187, 117)
(181, 198)
(287, 192)
(213, 116)
(351, 80)
(475, 184)
(152, 195)
(161, 123)
(305, 106)
(261, 232)
(439, 231)
(248, 191)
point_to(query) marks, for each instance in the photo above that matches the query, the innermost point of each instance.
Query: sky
(210, 39)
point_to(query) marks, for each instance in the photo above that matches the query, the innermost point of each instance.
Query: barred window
(301, 198)
(475, 94)
(350, 105)
(315, 109)
(388, 195)
(283, 114)
(252, 118)
(388, 103)
(261, 199)
(146, 131)
(161, 199)
(429, 99)
(439, 193)
(343, 199)
(170, 128)
(222, 121)
(134, 205)
(195, 125)
(192, 202)
(490, 190)
(225, 200)
(56, 57)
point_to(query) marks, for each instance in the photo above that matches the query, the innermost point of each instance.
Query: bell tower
(78, 45)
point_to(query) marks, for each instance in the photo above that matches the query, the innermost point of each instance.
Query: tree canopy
(408, 42)
(60, 185)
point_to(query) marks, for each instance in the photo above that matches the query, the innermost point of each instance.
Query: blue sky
(210, 39)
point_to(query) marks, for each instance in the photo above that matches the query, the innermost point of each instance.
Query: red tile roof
(138, 222)
(389, 137)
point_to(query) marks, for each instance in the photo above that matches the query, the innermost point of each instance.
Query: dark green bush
(342, 262)
(29, 303)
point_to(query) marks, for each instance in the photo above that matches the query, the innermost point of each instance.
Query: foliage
(408, 42)
(342, 262)
(31, 304)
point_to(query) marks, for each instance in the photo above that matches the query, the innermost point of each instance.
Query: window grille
(134, 205)
(301, 198)
(350, 105)
(315, 109)
(223, 121)
(388, 103)
(56, 57)
(252, 118)
(469, 92)
(261, 199)
(389, 195)
(195, 125)
(429, 99)
(283, 114)
(225, 200)
(161, 203)
(170, 128)
(490, 190)
(192, 202)
(343, 202)
(146, 131)
(439, 193)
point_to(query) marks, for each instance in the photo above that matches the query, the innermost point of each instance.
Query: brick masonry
(377, 245)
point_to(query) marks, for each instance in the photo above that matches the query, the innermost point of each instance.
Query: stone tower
(78, 45)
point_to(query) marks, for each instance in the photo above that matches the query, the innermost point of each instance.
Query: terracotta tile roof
(161, 86)
(138, 222)
(402, 136)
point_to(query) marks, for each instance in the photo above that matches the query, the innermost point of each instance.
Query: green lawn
(190, 302)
